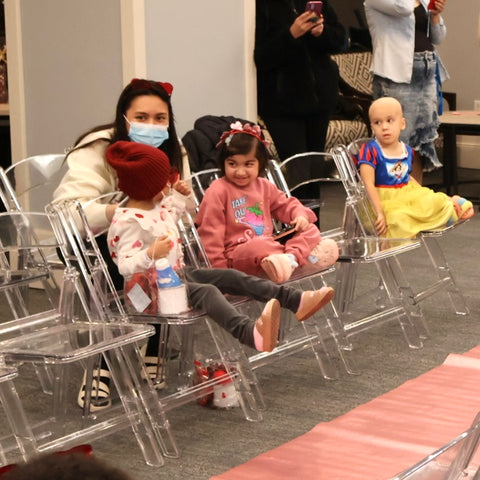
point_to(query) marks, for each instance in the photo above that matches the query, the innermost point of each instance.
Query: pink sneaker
(279, 266)
(312, 301)
(267, 327)
(325, 254)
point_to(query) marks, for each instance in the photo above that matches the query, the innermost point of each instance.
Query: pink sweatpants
(247, 256)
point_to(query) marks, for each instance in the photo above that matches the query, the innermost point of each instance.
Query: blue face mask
(148, 133)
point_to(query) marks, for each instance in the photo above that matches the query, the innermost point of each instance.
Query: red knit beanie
(142, 170)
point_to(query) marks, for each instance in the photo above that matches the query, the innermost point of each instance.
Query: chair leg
(17, 420)
(142, 405)
(399, 291)
(337, 333)
(328, 326)
(401, 304)
(345, 290)
(445, 277)
(243, 377)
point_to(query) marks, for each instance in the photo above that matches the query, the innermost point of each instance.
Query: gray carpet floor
(296, 395)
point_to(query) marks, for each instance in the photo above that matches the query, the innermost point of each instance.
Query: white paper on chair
(140, 300)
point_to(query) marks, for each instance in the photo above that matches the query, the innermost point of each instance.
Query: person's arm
(287, 209)
(438, 30)
(88, 177)
(211, 223)
(397, 8)
(275, 46)
(367, 173)
(130, 249)
(330, 35)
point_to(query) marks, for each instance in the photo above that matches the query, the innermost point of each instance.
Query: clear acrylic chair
(200, 182)
(322, 333)
(395, 298)
(15, 415)
(430, 241)
(83, 248)
(360, 245)
(76, 332)
(29, 183)
(355, 250)
(308, 170)
(457, 459)
(318, 334)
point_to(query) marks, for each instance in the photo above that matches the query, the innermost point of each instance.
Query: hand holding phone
(315, 7)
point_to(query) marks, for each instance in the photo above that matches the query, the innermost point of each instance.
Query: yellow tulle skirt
(413, 208)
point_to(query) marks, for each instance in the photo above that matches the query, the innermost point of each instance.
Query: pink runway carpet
(383, 437)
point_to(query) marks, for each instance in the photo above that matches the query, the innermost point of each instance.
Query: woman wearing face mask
(144, 115)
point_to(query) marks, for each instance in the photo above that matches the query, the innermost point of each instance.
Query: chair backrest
(194, 252)
(300, 170)
(354, 146)
(29, 184)
(359, 214)
(456, 459)
(80, 251)
(201, 181)
(24, 238)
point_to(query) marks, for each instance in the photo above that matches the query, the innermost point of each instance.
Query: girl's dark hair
(135, 89)
(242, 144)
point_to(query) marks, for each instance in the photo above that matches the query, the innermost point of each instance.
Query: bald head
(387, 120)
(385, 105)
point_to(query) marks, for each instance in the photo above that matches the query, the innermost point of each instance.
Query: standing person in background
(297, 80)
(406, 66)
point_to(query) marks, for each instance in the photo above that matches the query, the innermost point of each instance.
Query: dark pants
(206, 289)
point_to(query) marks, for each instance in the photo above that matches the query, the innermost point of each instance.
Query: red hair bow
(140, 83)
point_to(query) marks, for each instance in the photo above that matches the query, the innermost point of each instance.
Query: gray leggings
(206, 288)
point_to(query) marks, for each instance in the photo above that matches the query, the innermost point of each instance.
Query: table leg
(450, 176)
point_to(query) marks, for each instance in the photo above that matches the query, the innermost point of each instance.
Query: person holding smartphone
(406, 66)
(297, 82)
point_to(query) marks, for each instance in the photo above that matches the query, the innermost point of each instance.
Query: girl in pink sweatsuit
(235, 219)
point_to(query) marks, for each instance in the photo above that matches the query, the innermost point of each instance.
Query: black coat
(295, 76)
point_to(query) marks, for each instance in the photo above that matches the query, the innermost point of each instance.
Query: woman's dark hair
(242, 144)
(134, 89)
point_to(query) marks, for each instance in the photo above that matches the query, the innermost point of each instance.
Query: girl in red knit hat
(145, 231)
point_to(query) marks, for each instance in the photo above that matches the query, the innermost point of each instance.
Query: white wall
(74, 57)
(203, 50)
(70, 65)
(461, 54)
(461, 51)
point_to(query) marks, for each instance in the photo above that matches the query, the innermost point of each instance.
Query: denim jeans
(419, 102)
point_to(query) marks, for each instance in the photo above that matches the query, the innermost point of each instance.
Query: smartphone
(431, 5)
(284, 235)
(314, 7)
